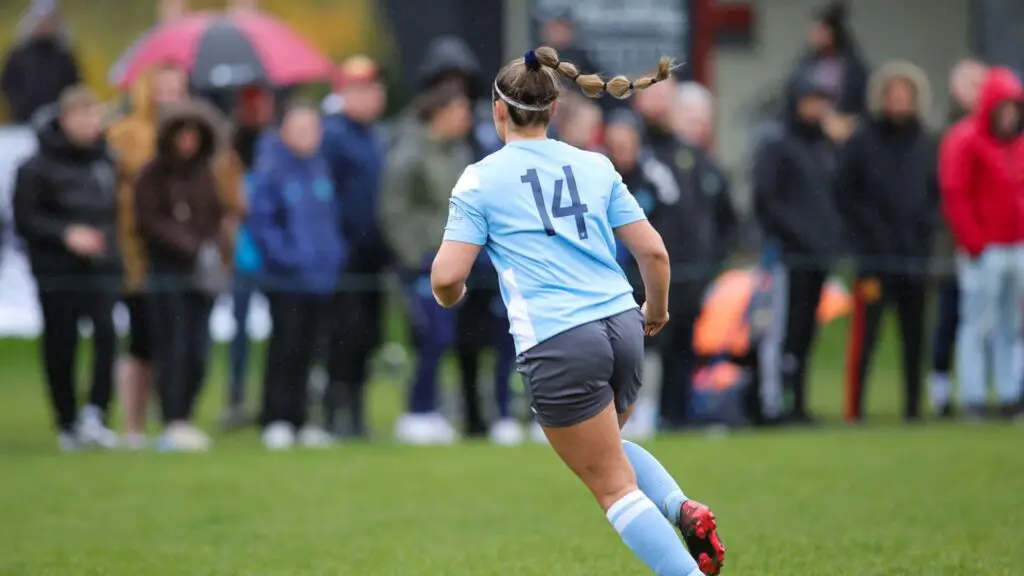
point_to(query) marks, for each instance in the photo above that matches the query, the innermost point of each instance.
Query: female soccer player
(548, 215)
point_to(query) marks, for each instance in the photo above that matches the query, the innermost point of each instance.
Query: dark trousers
(433, 333)
(678, 359)
(297, 322)
(946, 324)
(482, 323)
(872, 295)
(784, 349)
(241, 298)
(181, 349)
(62, 311)
(357, 317)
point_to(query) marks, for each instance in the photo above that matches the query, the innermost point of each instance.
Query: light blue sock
(649, 535)
(655, 482)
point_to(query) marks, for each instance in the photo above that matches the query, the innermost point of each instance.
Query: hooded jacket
(65, 184)
(449, 55)
(886, 185)
(793, 179)
(294, 222)
(982, 174)
(178, 205)
(132, 139)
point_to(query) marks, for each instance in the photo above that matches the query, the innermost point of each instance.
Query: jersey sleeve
(466, 221)
(623, 208)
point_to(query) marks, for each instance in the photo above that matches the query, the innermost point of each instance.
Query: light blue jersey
(546, 211)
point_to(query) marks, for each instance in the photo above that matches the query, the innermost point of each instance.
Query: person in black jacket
(65, 210)
(40, 66)
(834, 63)
(886, 192)
(793, 204)
(690, 221)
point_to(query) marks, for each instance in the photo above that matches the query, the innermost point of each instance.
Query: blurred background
(218, 217)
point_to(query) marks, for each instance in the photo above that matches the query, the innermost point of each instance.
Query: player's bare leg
(593, 451)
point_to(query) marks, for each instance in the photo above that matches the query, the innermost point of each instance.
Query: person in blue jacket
(354, 150)
(293, 221)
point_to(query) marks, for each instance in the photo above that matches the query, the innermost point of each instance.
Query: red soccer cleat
(697, 524)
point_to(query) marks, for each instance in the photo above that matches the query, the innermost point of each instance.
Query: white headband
(519, 105)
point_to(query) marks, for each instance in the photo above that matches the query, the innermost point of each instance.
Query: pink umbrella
(224, 50)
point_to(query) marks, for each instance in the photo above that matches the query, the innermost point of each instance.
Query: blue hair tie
(530, 58)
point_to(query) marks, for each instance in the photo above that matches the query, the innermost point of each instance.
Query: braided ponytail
(529, 85)
(591, 84)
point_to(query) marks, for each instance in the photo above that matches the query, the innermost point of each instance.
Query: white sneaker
(507, 432)
(279, 436)
(537, 434)
(443, 432)
(68, 442)
(134, 441)
(423, 430)
(184, 437)
(315, 437)
(92, 432)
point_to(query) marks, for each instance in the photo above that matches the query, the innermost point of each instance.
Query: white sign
(628, 37)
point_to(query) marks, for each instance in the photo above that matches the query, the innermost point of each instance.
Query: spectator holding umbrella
(980, 165)
(887, 196)
(41, 65)
(64, 208)
(183, 224)
(964, 86)
(354, 151)
(294, 224)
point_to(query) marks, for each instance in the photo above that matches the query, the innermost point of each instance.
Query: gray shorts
(572, 377)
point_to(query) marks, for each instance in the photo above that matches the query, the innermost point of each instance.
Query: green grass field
(878, 500)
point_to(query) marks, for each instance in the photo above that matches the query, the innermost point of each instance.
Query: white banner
(19, 308)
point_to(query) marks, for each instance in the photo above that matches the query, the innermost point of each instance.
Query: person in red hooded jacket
(981, 173)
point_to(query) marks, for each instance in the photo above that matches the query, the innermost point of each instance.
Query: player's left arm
(464, 235)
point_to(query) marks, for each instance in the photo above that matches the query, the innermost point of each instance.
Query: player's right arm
(648, 249)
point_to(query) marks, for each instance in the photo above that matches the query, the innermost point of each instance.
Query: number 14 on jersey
(576, 209)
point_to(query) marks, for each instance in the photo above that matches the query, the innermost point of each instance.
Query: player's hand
(461, 296)
(654, 320)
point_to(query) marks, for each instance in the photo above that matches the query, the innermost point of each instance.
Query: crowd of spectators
(173, 202)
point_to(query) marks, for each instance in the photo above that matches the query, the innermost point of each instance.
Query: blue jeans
(991, 286)
(241, 297)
